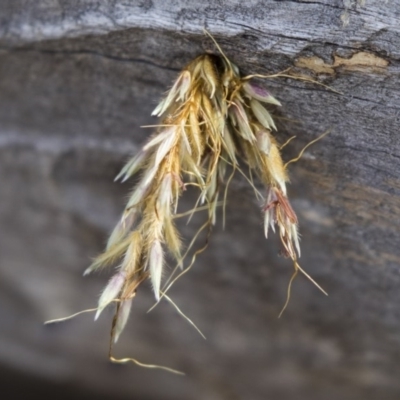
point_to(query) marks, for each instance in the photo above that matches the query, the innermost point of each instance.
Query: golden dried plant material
(212, 117)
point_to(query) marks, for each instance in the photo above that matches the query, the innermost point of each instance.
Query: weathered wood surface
(78, 78)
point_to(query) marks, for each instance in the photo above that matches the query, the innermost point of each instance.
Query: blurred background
(77, 80)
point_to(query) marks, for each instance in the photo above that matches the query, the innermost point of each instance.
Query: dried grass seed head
(212, 118)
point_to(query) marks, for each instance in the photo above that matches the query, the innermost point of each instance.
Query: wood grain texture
(79, 78)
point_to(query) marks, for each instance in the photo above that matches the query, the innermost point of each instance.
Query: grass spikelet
(210, 118)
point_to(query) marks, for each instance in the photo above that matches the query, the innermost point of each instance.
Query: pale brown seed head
(212, 117)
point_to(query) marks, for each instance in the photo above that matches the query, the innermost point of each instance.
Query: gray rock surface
(78, 79)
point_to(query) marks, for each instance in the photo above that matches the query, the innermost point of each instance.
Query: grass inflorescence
(211, 118)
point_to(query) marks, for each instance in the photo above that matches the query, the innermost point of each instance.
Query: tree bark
(79, 78)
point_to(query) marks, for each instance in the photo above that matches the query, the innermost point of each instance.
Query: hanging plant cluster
(212, 119)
